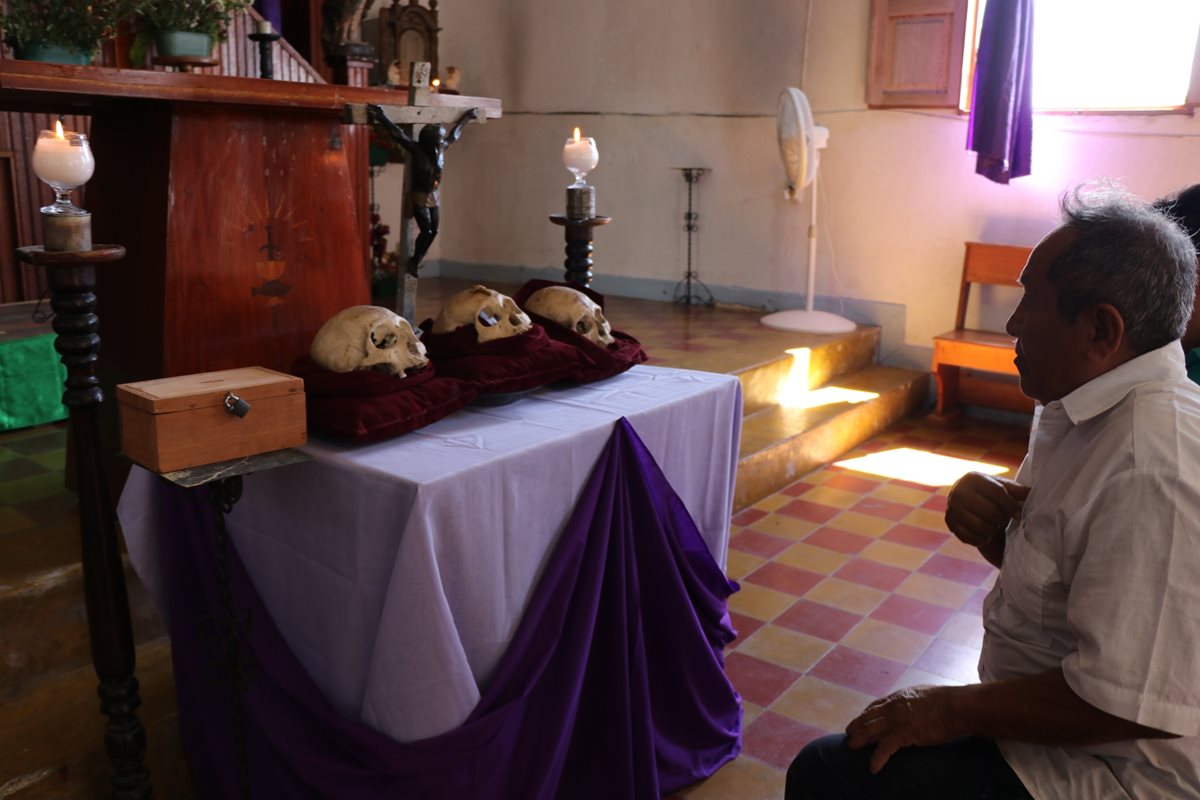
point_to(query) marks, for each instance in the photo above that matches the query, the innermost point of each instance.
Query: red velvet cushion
(501, 366)
(601, 362)
(368, 406)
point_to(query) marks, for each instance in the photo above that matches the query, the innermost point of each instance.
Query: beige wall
(694, 83)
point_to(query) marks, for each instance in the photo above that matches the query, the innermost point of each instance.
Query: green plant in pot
(63, 31)
(183, 27)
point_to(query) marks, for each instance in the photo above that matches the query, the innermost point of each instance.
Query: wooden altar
(235, 199)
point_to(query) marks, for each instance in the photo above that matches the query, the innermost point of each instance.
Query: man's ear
(1104, 328)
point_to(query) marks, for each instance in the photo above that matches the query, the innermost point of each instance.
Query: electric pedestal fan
(799, 142)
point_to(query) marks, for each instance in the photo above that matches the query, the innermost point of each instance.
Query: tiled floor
(851, 588)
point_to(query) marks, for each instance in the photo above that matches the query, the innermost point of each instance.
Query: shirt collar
(1105, 391)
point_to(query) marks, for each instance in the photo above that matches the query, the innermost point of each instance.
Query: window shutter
(916, 53)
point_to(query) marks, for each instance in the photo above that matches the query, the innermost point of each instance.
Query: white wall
(694, 83)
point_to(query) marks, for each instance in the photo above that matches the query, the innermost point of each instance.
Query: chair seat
(982, 350)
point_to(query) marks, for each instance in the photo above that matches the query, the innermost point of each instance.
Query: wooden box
(176, 423)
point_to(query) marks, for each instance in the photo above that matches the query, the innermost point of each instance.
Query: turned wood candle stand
(72, 277)
(579, 246)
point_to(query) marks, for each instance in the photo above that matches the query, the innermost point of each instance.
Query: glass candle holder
(63, 161)
(580, 156)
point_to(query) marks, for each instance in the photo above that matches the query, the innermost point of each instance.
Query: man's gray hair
(1130, 255)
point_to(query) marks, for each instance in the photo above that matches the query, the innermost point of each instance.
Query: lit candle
(63, 159)
(580, 156)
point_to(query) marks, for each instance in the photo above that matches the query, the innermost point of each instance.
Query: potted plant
(63, 31)
(184, 27)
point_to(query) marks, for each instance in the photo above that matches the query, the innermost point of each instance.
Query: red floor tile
(935, 503)
(956, 569)
(784, 578)
(912, 614)
(967, 440)
(882, 508)
(816, 619)
(872, 573)
(919, 442)
(756, 680)
(748, 516)
(852, 483)
(777, 739)
(974, 604)
(798, 488)
(745, 627)
(913, 536)
(923, 487)
(841, 541)
(17, 468)
(808, 510)
(854, 669)
(950, 660)
(760, 544)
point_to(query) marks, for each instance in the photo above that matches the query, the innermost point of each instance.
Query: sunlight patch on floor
(918, 466)
(794, 392)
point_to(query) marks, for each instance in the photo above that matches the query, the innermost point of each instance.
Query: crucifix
(418, 128)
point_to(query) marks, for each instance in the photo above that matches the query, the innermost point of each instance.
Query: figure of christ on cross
(426, 160)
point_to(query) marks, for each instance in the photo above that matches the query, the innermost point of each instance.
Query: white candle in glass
(63, 159)
(580, 156)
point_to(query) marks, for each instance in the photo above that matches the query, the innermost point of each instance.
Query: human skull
(494, 315)
(574, 310)
(368, 337)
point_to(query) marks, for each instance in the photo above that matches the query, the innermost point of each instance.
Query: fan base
(808, 322)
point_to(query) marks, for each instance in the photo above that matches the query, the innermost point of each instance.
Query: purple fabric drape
(272, 11)
(613, 685)
(1001, 126)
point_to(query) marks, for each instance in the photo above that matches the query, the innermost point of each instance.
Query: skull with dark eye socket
(368, 338)
(574, 310)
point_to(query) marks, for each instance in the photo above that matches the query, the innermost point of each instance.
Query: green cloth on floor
(31, 382)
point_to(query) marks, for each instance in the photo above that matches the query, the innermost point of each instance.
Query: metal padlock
(236, 405)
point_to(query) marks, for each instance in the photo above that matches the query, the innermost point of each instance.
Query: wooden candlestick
(579, 246)
(72, 278)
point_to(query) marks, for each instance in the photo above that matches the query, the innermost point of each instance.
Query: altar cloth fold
(612, 686)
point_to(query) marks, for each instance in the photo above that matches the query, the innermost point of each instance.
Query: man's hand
(917, 716)
(980, 506)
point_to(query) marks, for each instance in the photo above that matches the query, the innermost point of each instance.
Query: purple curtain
(271, 10)
(1001, 125)
(613, 685)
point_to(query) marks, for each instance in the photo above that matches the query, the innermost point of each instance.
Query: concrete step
(782, 443)
(52, 735)
(805, 367)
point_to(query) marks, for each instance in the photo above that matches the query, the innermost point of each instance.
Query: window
(1103, 55)
(1089, 55)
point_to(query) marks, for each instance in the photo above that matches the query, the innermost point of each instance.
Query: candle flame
(437, 82)
(58, 131)
(577, 134)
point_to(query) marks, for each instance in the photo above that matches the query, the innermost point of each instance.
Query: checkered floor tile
(851, 588)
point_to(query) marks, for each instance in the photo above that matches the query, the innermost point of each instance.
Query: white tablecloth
(397, 572)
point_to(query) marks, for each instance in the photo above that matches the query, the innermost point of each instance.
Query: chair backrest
(992, 264)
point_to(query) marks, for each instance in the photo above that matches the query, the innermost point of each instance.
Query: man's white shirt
(1101, 577)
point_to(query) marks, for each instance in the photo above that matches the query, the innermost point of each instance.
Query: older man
(1090, 686)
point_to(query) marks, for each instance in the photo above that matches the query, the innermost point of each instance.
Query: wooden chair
(976, 350)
